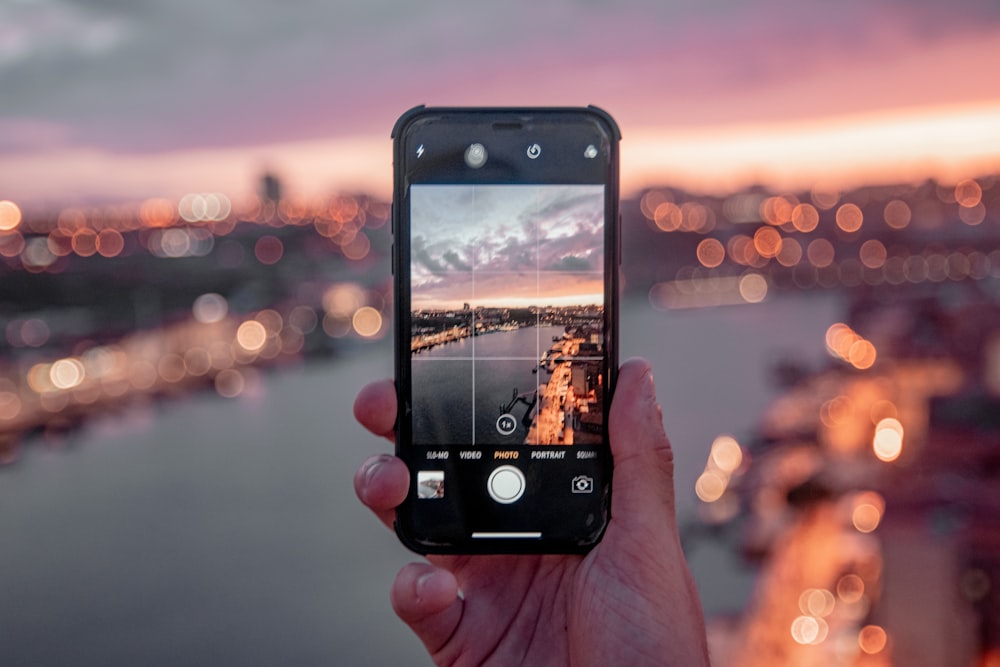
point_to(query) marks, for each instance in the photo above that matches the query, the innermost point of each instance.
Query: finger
(643, 484)
(375, 408)
(382, 483)
(426, 599)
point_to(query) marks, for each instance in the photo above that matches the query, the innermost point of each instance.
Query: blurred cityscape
(867, 500)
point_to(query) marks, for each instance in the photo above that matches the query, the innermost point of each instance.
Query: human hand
(630, 601)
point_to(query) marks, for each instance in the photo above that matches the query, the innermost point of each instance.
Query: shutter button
(506, 484)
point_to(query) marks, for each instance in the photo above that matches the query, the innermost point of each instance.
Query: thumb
(643, 482)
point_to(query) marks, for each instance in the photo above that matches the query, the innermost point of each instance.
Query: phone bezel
(523, 118)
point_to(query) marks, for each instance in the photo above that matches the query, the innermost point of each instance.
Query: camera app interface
(507, 305)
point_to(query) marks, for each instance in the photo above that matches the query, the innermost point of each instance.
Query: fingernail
(649, 386)
(421, 584)
(372, 464)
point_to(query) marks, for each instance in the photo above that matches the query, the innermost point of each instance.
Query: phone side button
(619, 239)
(506, 485)
(392, 260)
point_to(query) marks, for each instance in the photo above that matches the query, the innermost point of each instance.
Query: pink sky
(710, 96)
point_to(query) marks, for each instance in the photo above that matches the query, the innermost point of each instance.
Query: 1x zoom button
(506, 484)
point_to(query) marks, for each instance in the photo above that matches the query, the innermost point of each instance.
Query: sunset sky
(113, 99)
(506, 245)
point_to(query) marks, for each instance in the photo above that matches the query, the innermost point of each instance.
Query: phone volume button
(392, 260)
(619, 239)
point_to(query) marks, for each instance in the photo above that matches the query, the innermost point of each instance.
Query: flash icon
(420, 151)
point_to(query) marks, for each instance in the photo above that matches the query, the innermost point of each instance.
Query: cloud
(456, 262)
(572, 263)
(156, 76)
(421, 257)
(138, 77)
(47, 29)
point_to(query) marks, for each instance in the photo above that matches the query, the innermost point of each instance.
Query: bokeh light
(10, 215)
(805, 218)
(968, 193)
(268, 249)
(710, 486)
(850, 217)
(820, 253)
(251, 336)
(897, 214)
(850, 588)
(809, 630)
(888, 440)
(867, 509)
(210, 308)
(367, 321)
(711, 253)
(872, 639)
(726, 453)
(817, 602)
(753, 288)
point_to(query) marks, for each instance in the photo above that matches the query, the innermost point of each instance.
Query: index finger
(375, 408)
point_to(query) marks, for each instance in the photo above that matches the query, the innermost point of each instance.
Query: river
(214, 531)
(446, 380)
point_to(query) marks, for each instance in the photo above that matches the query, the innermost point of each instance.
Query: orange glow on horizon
(947, 143)
(951, 144)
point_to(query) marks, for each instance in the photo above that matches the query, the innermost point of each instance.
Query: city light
(725, 459)
(873, 254)
(845, 344)
(711, 253)
(210, 308)
(367, 321)
(968, 193)
(790, 253)
(888, 440)
(817, 602)
(821, 253)
(10, 215)
(10, 405)
(710, 486)
(850, 588)
(230, 383)
(66, 373)
(897, 214)
(805, 218)
(809, 630)
(767, 242)
(251, 336)
(204, 207)
(867, 511)
(268, 249)
(850, 217)
(153, 213)
(872, 639)
(753, 287)
(727, 454)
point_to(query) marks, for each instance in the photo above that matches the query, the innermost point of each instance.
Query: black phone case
(612, 291)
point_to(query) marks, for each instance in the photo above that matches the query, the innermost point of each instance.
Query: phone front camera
(475, 156)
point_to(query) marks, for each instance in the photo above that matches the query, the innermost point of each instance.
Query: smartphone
(506, 265)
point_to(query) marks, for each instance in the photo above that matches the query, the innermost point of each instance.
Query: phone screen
(505, 330)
